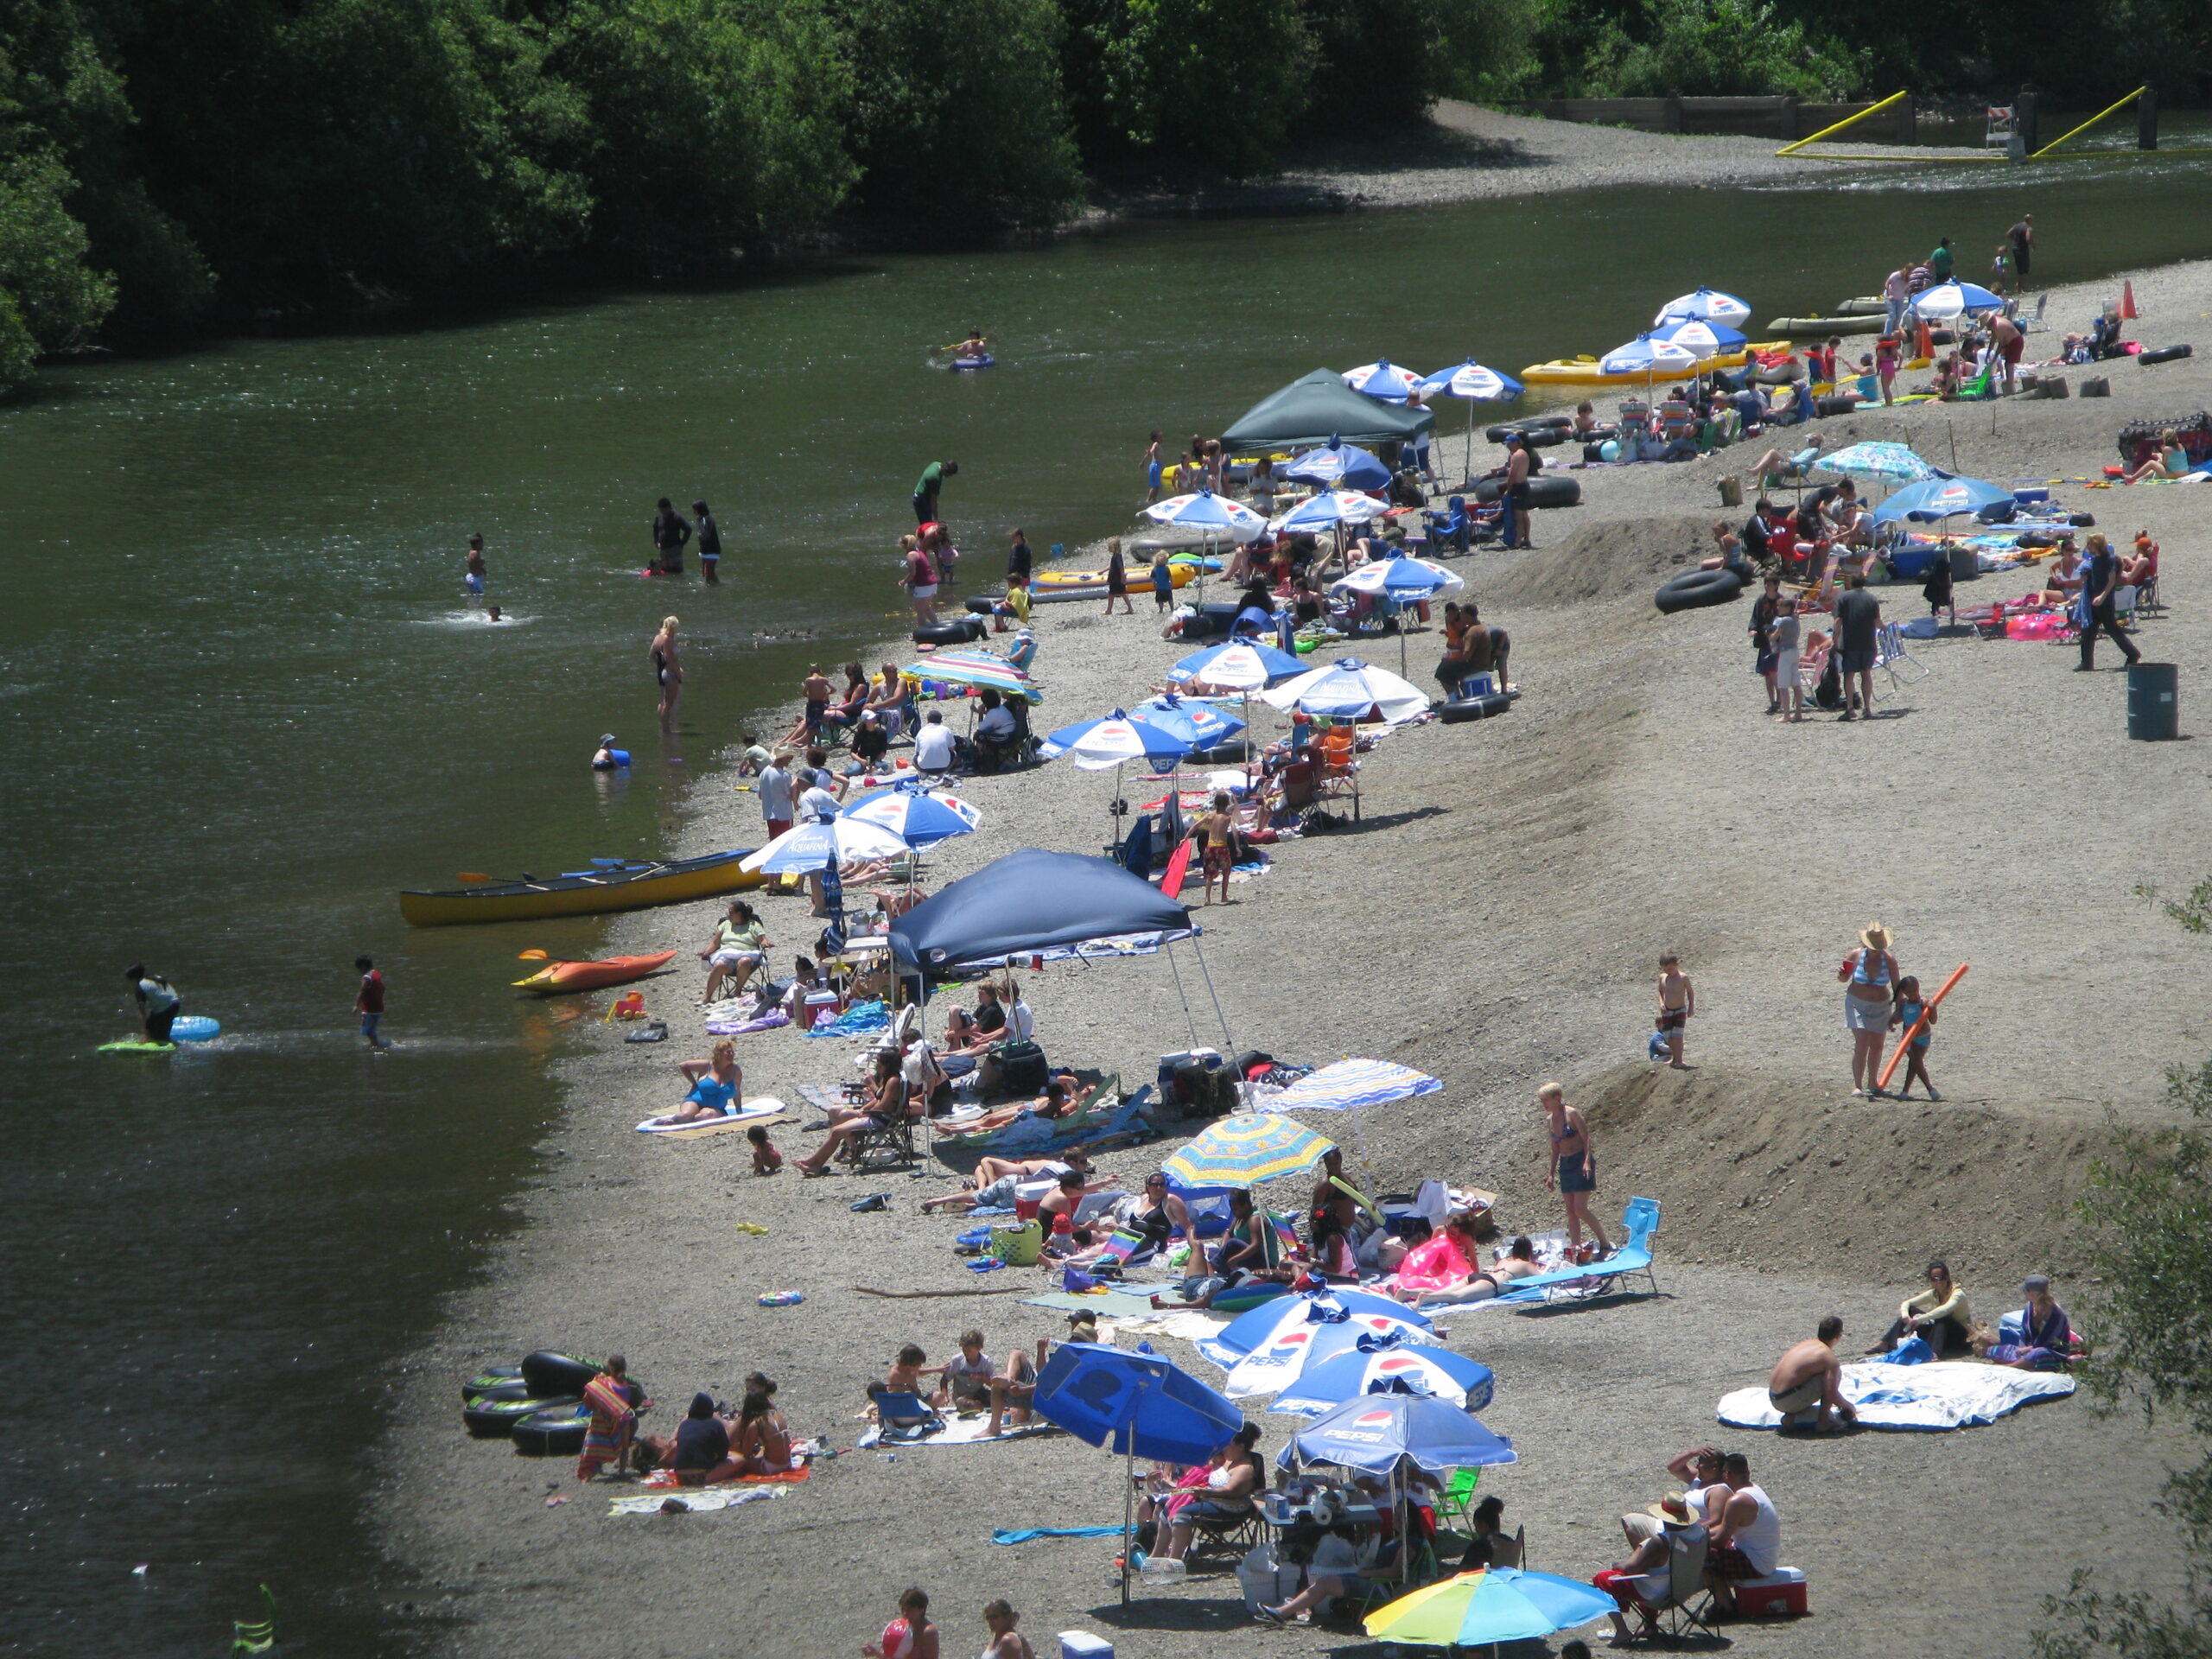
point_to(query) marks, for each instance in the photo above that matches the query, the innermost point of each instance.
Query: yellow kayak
(1583, 371)
(1091, 584)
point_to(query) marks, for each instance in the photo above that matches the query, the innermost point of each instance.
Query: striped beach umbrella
(1487, 1607)
(1383, 380)
(977, 669)
(1349, 1084)
(1246, 1150)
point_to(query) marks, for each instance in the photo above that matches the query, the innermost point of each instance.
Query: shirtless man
(1677, 1004)
(2006, 341)
(1516, 492)
(1807, 1385)
(974, 346)
(1067, 1197)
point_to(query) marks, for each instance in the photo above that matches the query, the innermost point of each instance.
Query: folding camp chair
(889, 1147)
(1688, 1607)
(1233, 1533)
(1889, 652)
(1640, 1220)
(901, 1418)
(1335, 755)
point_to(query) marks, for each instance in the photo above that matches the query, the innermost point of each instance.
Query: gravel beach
(1494, 918)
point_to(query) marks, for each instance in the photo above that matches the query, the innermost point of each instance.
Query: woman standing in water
(668, 671)
(1571, 1166)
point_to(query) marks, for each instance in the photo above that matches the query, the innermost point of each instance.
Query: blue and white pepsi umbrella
(1258, 1327)
(1471, 381)
(1328, 510)
(818, 843)
(1339, 465)
(915, 816)
(1241, 665)
(1647, 354)
(1200, 724)
(1706, 305)
(1387, 1366)
(1346, 689)
(1950, 298)
(1115, 740)
(1206, 510)
(1301, 1340)
(1402, 579)
(1383, 380)
(1700, 339)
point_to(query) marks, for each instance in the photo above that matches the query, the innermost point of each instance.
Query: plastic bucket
(2154, 703)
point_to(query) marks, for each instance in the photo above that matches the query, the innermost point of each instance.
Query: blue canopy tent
(1136, 1404)
(1035, 903)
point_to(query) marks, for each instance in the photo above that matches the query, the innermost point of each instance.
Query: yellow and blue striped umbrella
(1246, 1150)
(1488, 1606)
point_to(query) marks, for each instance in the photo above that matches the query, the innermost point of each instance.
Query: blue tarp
(1029, 900)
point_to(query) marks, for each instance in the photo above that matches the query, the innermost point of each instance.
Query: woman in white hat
(1870, 976)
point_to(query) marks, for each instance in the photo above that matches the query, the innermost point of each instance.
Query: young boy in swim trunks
(1677, 1002)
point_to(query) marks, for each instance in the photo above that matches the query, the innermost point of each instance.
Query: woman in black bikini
(668, 670)
(1571, 1166)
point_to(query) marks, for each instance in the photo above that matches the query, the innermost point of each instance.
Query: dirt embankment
(1604, 559)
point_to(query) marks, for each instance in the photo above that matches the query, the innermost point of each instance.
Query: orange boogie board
(555, 977)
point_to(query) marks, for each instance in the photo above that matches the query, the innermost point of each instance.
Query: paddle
(530, 956)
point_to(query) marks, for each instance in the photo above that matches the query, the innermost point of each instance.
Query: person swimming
(974, 346)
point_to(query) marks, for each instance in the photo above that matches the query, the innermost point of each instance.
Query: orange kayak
(557, 976)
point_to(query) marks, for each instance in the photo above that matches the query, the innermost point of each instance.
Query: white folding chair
(1889, 652)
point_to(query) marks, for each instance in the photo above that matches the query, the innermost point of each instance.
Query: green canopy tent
(1322, 406)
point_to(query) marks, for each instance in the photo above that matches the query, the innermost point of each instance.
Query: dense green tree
(959, 120)
(713, 124)
(1219, 84)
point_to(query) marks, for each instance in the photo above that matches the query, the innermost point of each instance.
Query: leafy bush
(1215, 84)
(1712, 48)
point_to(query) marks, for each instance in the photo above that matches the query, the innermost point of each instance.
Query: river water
(245, 704)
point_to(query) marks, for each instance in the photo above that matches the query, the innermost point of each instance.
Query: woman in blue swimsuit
(717, 1088)
(1571, 1166)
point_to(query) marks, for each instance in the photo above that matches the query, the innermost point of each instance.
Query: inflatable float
(985, 361)
(756, 1111)
(488, 1418)
(1583, 371)
(556, 978)
(957, 631)
(1051, 585)
(1695, 589)
(1821, 327)
(1454, 710)
(557, 1430)
(1545, 490)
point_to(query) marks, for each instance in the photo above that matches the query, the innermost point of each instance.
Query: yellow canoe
(1583, 371)
(582, 893)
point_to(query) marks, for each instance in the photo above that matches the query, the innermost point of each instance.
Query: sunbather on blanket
(2047, 1340)
(717, 1087)
(1251, 1254)
(699, 1451)
(1807, 1385)
(1938, 1315)
(991, 1186)
(1514, 1261)
(764, 1445)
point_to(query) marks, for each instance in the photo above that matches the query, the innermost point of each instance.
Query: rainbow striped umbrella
(1491, 1605)
(1246, 1150)
(978, 668)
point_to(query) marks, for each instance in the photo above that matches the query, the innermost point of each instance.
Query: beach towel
(1944, 1395)
(767, 1021)
(613, 1423)
(752, 1111)
(699, 1500)
(967, 1430)
(1023, 1535)
(665, 1479)
(860, 1020)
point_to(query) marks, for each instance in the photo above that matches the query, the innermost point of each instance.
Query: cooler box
(1781, 1594)
(1030, 1194)
(1082, 1645)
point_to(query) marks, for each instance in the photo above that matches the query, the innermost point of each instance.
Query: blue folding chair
(1639, 1220)
(903, 1418)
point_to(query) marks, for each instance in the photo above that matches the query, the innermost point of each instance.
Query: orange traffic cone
(2127, 310)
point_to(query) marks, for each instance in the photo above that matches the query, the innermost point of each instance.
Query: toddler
(767, 1160)
(1905, 1014)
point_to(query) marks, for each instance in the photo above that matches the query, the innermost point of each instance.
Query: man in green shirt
(1939, 262)
(932, 480)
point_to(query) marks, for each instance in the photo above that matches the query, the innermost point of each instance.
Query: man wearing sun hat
(1642, 1583)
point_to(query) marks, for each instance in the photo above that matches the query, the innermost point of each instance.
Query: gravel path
(1495, 920)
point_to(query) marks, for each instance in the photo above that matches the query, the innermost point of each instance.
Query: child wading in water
(1907, 1015)
(1677, 1002)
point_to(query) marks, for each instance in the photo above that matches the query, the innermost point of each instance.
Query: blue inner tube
(193, 1028)
(983, 362)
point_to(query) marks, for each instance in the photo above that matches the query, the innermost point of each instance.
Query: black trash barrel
(2152, 712)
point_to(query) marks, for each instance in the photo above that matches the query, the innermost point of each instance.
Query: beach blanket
(752, 1111)
(1023, 1535)
(861, 1020)
(967, 1430)
(699, 1500)
(1105, 1303)
(767, 1021)
(1947, 1394)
